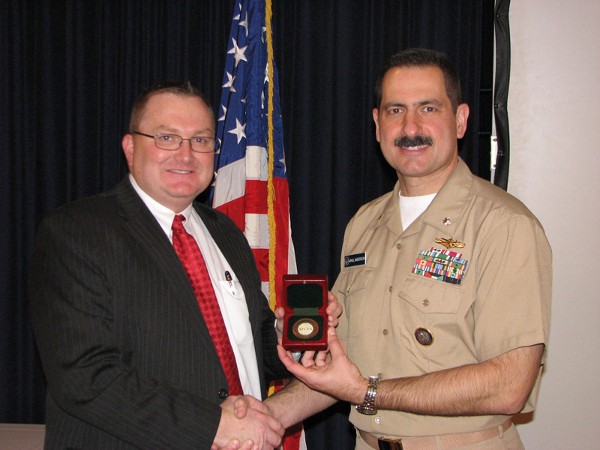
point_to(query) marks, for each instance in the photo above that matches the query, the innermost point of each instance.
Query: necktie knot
(177, 225)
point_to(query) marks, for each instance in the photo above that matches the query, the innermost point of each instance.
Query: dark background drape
(70, 70)
(502, 79)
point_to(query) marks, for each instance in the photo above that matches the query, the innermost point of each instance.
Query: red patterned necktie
(187, 249)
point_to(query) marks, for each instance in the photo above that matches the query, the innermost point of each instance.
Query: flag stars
(238, 53)
(239, 130)
(222, 118)
(239, 8)
(244, 23)
(229, 83)
(282, 161)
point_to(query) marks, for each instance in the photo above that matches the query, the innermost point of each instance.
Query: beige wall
(554, 113)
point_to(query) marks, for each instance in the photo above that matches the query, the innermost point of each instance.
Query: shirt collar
(163, 215)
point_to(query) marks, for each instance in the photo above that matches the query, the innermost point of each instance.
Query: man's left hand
(338, 377)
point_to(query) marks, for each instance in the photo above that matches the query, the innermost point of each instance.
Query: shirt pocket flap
(354, 280)
(431, 296)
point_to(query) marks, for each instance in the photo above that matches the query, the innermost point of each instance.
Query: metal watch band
(368, 405)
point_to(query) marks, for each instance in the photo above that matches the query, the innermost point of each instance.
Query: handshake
(249, 424)
(252, 421)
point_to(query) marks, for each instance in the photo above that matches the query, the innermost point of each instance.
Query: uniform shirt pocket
(352, 285)
(432, 322)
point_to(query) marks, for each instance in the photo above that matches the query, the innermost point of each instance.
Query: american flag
(244, 169)
(251, 186)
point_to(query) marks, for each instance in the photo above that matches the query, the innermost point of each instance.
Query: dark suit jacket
(126, 353)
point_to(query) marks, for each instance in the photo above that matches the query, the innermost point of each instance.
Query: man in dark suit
(126, 351)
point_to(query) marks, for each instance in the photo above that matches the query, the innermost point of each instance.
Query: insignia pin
(424, 336)
(449, 243)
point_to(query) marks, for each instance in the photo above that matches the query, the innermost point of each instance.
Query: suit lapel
(141, 225)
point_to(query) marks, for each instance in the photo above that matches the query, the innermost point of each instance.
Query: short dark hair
(423, 57)
(185, 89)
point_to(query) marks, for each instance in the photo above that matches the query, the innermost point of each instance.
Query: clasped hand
(335, 376)
(242, 411)
(251, 421)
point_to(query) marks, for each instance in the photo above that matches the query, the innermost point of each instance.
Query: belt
(455, 440)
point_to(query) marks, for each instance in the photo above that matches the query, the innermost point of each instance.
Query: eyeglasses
(172, 142)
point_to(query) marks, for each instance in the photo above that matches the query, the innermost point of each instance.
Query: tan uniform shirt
(474, 303)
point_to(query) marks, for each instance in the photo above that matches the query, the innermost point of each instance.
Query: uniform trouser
(506, 440)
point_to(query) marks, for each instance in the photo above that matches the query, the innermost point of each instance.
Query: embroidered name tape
(443, 265)
(358, 259)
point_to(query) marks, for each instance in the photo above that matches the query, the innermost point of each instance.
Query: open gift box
(305, 320)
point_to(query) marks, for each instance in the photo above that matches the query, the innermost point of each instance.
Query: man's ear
(127, 144)
(462, 115)
(376, 120)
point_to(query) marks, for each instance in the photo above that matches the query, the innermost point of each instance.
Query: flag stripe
(256, 197)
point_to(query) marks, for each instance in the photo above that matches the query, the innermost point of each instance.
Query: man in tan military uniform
(405, 321)
(446, 284)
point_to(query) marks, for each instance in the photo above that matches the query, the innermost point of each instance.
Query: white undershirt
(230, 295)
(413, 207)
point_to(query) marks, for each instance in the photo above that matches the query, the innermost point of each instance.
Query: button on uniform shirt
(228, 290)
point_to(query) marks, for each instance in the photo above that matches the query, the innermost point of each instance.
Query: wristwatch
(368, 404)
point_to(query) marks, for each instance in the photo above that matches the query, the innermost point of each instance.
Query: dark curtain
(502, 80)
(70, 70)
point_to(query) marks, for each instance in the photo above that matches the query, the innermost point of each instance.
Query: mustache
(407, 141)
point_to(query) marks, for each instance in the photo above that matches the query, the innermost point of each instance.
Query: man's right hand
(248, 422)
(235, 444)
